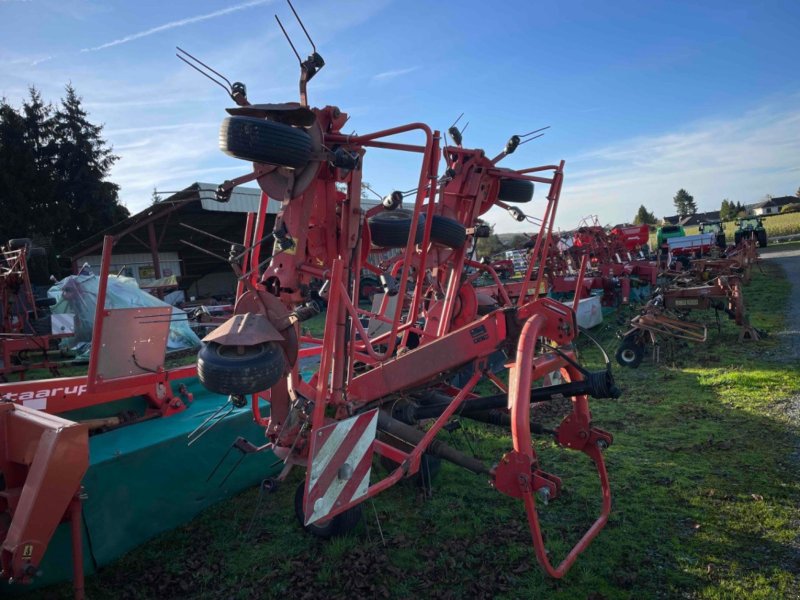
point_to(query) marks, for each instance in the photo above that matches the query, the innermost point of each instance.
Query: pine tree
(725, 210)
(17, 175)
(82, 164)
(39, 132)
(644, 217)
(684, 203)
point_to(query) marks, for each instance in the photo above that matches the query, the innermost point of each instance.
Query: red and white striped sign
(341, 461)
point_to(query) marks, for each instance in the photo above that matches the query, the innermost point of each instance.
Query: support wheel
(429, 467)
(517, 191)
(448, 232)
(235, 370)
(340, 525)
(390, 229)
(261, 141)
(630, 353)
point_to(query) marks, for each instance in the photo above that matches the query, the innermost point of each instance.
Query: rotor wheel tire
(261, 141)
(762, 239)
(518, 191)
(238, 370)
(340, 525)
(630, 353)
(448, 232)
(390, 229)
(37, 253)
(19, 243)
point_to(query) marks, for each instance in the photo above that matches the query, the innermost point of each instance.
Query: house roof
(777, 202)
(694, 219)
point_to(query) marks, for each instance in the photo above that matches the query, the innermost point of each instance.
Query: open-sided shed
(151, 245)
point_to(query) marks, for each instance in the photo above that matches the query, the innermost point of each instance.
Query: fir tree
(684, 203)
(644, 217)
(82, 164)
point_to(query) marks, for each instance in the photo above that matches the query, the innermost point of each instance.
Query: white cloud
(741, 158)
(386, 75)
(175, 24)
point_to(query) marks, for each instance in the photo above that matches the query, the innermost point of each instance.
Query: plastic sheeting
(77, 295)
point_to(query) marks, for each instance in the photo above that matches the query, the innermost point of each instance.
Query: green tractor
(664, 233)
(718, 229)
(751, 228)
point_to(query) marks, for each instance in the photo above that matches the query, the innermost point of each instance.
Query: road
(789, 261)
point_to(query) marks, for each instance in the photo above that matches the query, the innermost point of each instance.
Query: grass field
(704, 475)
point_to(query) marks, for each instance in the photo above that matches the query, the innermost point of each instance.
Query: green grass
(706, 494)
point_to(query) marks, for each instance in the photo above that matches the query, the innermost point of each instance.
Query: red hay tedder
(430, 324)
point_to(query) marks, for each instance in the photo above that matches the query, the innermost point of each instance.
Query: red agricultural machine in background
(26, 323)
(616, 262)
(433, 323)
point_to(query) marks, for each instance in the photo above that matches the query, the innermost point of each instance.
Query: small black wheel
(684, 261)
(340, 525)
(517, 191)
(270, 485)
(37, 253)
(19, 243)
(429, 467)
(261, 141)
(234, 370)
(390, 229)
(630, 353)
(737, 237)
(448, 232)
(368, 287)
(762, 239)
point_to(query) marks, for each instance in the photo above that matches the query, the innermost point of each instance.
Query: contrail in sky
(175, 24)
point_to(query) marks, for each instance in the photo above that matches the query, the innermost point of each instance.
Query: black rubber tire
(630, 353)
(261, 141)
(518, 191)
(221, 369)
(722, 241)
(45, 302)
(18, 243)
(685, 261)
(448, 232)
(340, 525)
(368, 287)
(429, 467)
(762, 239)
(390, 229)
(37, 253)
(42, 326)
(737, 237)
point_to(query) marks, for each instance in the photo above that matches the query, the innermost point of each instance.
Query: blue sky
(643, 98)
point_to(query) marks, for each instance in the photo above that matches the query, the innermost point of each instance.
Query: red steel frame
(332, 245)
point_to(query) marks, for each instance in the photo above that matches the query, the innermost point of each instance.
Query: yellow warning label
(27, 551)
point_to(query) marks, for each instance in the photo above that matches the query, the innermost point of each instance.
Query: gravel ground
(790, 263)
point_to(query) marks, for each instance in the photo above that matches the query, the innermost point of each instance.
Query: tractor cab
(751, 228)
(718, 229)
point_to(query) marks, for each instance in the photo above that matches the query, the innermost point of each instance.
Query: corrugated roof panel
(243, 200)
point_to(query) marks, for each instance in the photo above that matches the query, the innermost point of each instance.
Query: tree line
(54, 165)
(685, 205)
